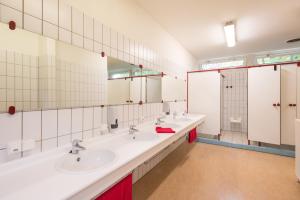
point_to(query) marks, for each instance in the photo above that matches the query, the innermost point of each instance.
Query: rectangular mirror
(37, 72)
(173, 89)
(128, 83)
(153, 89)
(122, 87)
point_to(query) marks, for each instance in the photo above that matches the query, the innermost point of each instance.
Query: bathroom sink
(143, 136)
(85, 161)
(169, 125)
(183, 119)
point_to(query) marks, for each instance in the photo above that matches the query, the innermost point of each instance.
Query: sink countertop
(36, 177)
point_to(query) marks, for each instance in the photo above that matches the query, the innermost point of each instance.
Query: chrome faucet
(159, 121)
(132, 130)
(76, 147)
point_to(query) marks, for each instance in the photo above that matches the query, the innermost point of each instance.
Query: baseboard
(281, 152)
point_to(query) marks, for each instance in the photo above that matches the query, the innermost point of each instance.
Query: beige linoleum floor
(209, 172)
(234, 137)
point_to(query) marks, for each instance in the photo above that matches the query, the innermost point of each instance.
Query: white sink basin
(143, 136)
(183, 119)
(85, 161)
(169, 125)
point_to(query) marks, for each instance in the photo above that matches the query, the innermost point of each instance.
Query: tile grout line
(41, 146)
(82, 113)
(57, 128)
(22, 136)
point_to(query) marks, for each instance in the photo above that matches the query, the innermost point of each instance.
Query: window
(278, 59)
(224, 64)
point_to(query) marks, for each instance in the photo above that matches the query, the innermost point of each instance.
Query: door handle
(291, 105)
(274, 104)
(278, 104)
(294, 105)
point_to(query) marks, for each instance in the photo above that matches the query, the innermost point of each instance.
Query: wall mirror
(153, 89)
(173, 89)
(37, 72)
(129, 83)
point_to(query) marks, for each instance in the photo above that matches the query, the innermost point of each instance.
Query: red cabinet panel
(120, 191)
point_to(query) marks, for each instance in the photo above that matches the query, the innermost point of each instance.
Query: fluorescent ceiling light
(229, 29)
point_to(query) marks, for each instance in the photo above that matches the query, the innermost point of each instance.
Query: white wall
(130, 19)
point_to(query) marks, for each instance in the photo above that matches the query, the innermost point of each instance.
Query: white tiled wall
(57, 20)
(234, 100)
(53, 128)
(50, 128)
(133, 114)
(178, 106)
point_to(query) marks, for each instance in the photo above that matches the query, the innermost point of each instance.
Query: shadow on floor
(147, 184)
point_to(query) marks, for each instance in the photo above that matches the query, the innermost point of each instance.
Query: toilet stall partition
(205, 86)
(229, 68)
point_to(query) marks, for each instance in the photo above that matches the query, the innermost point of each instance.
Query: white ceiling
(262, 25)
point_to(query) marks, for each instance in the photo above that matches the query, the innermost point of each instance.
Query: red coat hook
(12, 25)
(11, 110)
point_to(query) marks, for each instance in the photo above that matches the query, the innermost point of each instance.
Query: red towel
(164, 130)
(192, 135)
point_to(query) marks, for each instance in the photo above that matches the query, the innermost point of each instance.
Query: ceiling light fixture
(229, 30)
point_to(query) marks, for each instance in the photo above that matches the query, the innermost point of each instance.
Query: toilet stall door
(288, 103)
(264, 104)
(298, 91)
(204, 98)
